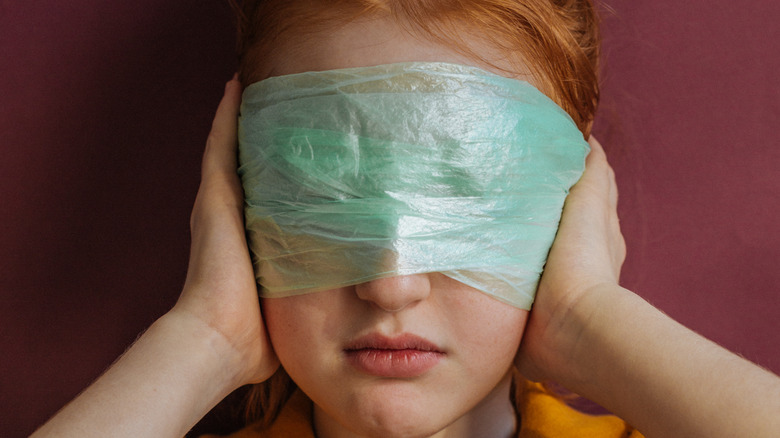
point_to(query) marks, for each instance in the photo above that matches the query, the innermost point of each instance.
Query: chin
(396, 412)
(422, 429)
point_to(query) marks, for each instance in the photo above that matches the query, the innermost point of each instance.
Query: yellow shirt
(542, 416)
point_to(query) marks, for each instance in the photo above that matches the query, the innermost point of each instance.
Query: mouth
(403, 356)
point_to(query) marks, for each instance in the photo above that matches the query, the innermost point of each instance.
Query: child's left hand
(587, 254)
(609, 345)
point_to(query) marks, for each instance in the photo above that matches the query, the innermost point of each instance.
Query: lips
(403, 356)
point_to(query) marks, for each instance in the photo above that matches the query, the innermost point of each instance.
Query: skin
(479, 334)
(585, 331)
(374, 41)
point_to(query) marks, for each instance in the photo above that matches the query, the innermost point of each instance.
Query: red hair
(558, 40)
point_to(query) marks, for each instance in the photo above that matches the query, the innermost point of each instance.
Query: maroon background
(104, 108)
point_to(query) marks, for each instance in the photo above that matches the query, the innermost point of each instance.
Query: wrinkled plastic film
(357, 174)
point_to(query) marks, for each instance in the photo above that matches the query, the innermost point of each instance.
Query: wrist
(208, 353)
(163, 384)
(590, 330)
(191, 366)
(570, 331)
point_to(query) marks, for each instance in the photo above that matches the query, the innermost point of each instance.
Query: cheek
(489, 329)
(287, 325)
(277, 321)
(302, 328)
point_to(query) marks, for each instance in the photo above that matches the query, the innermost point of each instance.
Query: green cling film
(358, 174)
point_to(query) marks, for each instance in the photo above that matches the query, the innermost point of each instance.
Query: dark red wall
(104, 108)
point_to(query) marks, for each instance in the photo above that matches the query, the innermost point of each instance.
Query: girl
(422, 354)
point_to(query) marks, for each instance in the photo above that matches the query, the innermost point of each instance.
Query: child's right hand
(220, 288)
(210, 343)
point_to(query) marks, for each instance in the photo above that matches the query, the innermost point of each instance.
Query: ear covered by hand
(588, 252)
(220, 288)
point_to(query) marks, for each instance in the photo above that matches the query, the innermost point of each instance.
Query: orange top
(543, 415)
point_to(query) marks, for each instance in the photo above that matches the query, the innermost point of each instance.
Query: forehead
(369, 41)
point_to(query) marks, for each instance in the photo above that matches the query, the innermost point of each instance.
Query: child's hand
(609, 345)
(220, 289)
(210, 343)
(588, 253)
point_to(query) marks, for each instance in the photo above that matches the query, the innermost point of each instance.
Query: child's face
(454, 347)
(401, 356)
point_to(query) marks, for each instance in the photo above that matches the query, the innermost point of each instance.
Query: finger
(596, 165)
(220, 188)
(613, 191)
(220, 154)
(596, 147)
(609, 184)
(598, 161)
(596, 179)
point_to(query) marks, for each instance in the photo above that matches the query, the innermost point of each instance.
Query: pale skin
(469, 388)
(585, 331)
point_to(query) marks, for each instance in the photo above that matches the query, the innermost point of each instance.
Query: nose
(393, 294)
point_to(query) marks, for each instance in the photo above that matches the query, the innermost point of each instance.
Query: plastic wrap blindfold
(357, 174)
